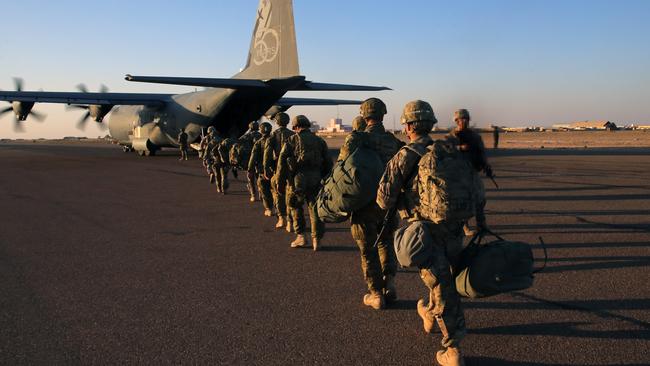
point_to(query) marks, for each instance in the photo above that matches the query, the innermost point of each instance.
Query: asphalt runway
(112, 258)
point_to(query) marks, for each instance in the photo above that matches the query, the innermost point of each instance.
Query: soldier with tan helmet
(471, 145)
(246, 143)
(270, 161)
(303, 162)
(255, 166)
(358, 126)
(378, 263)
(397, 189)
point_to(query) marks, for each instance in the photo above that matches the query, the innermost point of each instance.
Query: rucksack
(447, 184)
(350, 186)
(225, 148)
(240, 153)
(495, 267)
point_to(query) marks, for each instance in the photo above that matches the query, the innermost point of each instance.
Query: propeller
(21, 109)
(96, 111)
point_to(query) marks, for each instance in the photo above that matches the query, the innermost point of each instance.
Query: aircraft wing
(290, 102)
(85, 98)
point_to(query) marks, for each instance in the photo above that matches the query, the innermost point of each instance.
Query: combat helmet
(359, 124)
(300, 121)
(373, 108)
(461, 114)
(254, 126)
(265, 128)
(282, 119)
(418, 111)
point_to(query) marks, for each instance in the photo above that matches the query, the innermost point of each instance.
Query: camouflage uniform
(248, 140)
(303, 162)
(202, 147)
(378, 264)
(271, 154)
(182, 144)
(221, 164)
(208, 156)
(255, 165)
(398, 189)
(472, 147)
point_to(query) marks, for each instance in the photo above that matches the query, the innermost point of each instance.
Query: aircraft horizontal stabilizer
(309, 85)
(290, 102)
(297, 83)
(204, 82)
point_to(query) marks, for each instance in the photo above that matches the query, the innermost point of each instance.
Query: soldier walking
(378, 263)
(397, 190)
(246, 142)
(182, 144)
(303, 162)
(270, 161)
(255, 166)
(471, 145)
(495, 136)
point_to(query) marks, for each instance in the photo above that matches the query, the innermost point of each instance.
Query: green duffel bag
(351, 185)
(495, 267)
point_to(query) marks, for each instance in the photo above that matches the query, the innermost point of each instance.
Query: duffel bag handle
(478, 237)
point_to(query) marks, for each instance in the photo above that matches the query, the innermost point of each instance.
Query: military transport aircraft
(147, 122)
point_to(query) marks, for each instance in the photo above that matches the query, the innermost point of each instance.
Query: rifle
(389, 214)
(490, 174)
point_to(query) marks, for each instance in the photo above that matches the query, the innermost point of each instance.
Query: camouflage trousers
(444, 306)
(264, 187)
(304, 191)
(251, 184)
(376, 262)
(279, 196)
(220, 172)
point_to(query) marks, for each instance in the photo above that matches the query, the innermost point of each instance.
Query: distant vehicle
(149, 122)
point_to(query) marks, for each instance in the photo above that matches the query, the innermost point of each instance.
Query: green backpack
(225, 150)
(351, 185)
(447, 184)
(495, 267)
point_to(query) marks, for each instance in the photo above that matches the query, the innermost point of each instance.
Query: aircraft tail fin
(273, 52)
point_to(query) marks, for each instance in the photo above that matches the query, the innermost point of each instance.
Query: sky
(511, 63)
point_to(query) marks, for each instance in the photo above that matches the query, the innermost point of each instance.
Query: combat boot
(390, 292)
(423, 312)
(252, 199)
(315, 243)
(299, 242)
(450, 357)
(288, 228)
(374, 300)
(280, 223)
(268, 213)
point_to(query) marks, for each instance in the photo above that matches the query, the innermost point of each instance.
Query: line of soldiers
(288, 166)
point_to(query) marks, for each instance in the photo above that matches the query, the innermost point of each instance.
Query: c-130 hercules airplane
(147, 122)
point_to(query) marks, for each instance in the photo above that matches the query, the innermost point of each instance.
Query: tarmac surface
(112, 258)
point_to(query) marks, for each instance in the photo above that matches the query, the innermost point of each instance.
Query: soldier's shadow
(402, 305)
(490, 361)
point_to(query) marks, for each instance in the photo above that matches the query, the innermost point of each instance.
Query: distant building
(336, 125)
(586, 125)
